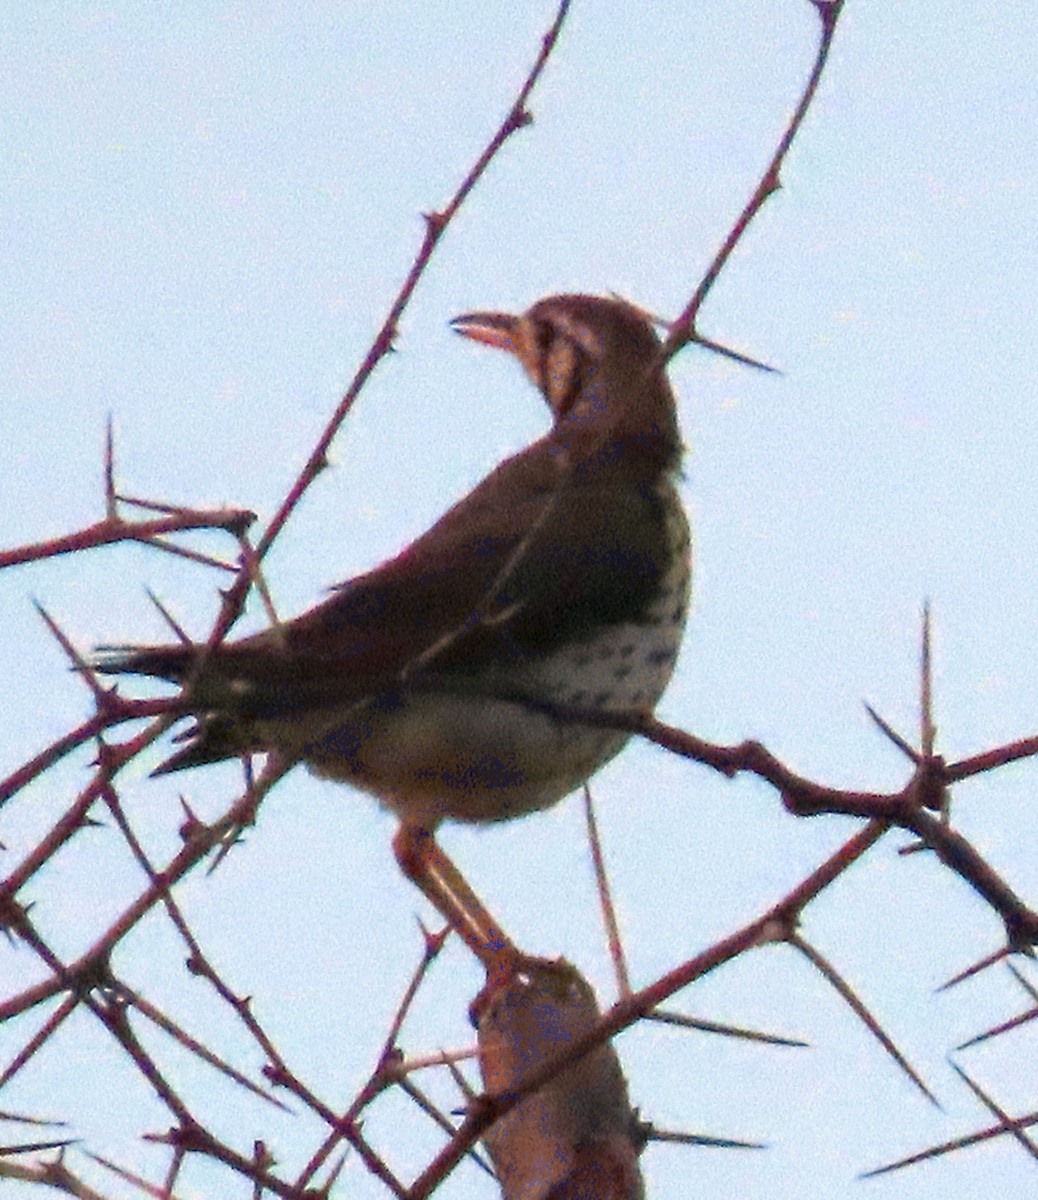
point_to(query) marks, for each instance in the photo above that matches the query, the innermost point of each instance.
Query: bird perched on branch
(561, 579)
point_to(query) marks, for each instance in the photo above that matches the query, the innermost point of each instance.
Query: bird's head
(595, 360)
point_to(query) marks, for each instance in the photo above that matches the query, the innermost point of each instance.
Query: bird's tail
(172, 663)
(213, 737)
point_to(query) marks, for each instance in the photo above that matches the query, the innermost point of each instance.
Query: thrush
(439, 681)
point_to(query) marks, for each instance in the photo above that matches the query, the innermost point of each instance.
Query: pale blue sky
(207, 209)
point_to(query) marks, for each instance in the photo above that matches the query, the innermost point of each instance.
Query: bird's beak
(490, 328)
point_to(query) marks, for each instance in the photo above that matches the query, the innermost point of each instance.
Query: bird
(562, 579)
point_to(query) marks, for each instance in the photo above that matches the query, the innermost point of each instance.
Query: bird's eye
(560, 374)
(542, 336)
(545, 335)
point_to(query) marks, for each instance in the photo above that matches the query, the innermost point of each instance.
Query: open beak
(490, 328)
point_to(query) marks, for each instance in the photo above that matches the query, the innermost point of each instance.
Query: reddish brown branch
(90, 729)
(770, 927)
(435, 226)
(683, 329)
(911, 808)
(115, 529)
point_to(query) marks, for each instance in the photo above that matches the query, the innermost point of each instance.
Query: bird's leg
(430, 869)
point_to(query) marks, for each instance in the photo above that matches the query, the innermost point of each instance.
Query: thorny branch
(80, 979)
(90, 982)
(683, 329)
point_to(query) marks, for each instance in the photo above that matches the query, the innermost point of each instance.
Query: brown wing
(534, 552)
(376, 624)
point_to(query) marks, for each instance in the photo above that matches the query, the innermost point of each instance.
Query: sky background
(207, 210)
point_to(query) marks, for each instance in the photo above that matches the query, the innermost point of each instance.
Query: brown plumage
(562, 576)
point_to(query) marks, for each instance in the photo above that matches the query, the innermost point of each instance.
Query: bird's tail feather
(212, 739)
(160, 662)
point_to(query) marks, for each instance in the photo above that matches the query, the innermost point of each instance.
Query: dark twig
(110, 531)
(605, 897)
(436, 224)
(770, 927)
(683, 329)
(847, 993)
